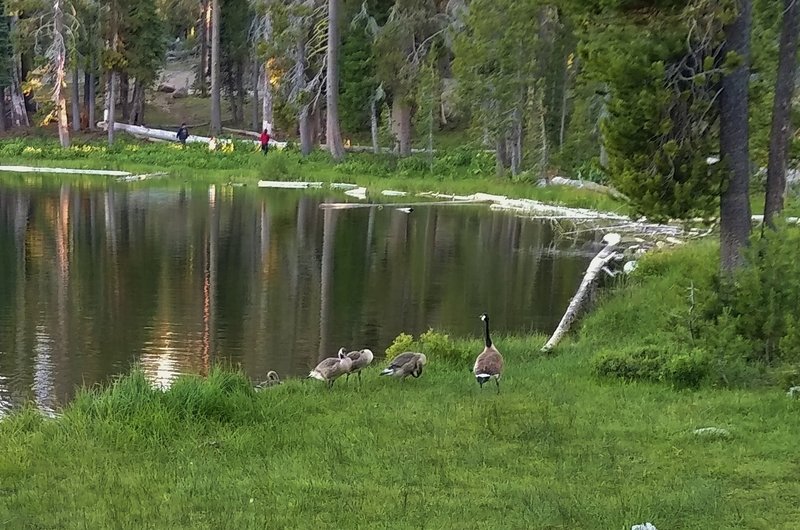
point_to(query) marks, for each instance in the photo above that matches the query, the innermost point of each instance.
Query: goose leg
(497, 382)
(359, 378)
(347, 377)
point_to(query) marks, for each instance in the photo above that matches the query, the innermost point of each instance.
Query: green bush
(436, 346)
(667, 362)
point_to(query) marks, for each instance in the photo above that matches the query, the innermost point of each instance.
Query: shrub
(436, 346)
(670, 362)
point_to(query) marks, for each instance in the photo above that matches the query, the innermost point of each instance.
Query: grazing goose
(405, 364)
(272, 380)
(489, 363)
(331, 368)
(361, 359)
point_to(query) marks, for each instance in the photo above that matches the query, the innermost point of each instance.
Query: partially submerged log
(288, 185)
(601, 260)
(66, 171)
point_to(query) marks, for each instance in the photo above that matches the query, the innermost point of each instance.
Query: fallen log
(66, 171)
(161, 134)
(601, 260)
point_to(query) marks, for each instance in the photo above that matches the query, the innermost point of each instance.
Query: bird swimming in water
(405, 364)
(489, 364)
(405, 209)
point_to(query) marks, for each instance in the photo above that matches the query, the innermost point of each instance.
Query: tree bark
(781, 112)
(501, 154)
(734, 135)
(603, 257)
(401, 125)
(75, 97)
(203, 35)
(266, 104)
(2, 109)
(59, 46)
(19, 114)
(92, 104)
(216, 104)
(306, 132)
(239, 82)
(111, 103)
(137, 108)
(256, 67)
(333, 134)
(123, 87)
(373, 125)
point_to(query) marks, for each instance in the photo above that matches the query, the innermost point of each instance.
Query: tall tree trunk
(781, 111)
(138, 102)
(266, 105)
(316, 123)
(75, 97)
(256, 68)
(60, 59)
(216, 103)
(501, 154)
(2, 109)
(203, 35)
(124, 94)
(516, 142)
(19, 114)
(401, 125)
(333, 135)
(734, 135)
(373, 124)
(111, 104)
(306, 131)
(92, 104)
(239, 80)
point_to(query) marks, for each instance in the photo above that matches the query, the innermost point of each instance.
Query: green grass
(555, 449)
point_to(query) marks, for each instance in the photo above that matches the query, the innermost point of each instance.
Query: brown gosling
(405, 364)
(361, 359)
(489, 364)
(272, 380)
(332, 368)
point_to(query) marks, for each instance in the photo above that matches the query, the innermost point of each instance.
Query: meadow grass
(555, 449)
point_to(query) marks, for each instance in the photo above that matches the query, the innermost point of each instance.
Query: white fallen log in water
(343, 186)
(66, 171)
(288, 185)
(358, 193)
(601, 260)
(393, 193)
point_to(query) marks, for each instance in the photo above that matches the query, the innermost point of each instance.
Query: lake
(94, 279)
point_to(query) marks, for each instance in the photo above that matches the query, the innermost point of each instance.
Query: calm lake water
(93, 280)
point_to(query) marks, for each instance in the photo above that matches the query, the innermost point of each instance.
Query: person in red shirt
(264, 141)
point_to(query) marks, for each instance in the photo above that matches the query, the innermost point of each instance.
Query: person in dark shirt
(183, 133)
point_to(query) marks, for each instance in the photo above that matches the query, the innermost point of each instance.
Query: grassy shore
(557, 448)
(460, 171)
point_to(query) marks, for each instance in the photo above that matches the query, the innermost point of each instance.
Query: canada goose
(405, 364)
(272, 380)
(361, 359)
(489, 363)
(331, 368)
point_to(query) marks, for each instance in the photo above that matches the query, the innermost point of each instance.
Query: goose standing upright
(489, 364)
(330, 369)
(405, 364)
(361, 359)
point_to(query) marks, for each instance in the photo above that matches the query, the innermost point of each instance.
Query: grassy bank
(554, 450)
(559, 447)
(457, 171)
